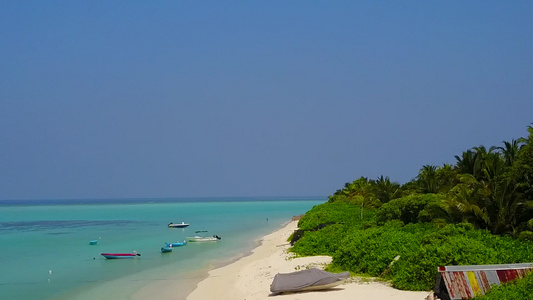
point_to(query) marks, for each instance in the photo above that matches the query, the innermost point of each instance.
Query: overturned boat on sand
(306, 280)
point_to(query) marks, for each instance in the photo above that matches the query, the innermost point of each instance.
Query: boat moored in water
(176, 244)
(120, 255)
(166, 249)
(177, 225)
(200, 238)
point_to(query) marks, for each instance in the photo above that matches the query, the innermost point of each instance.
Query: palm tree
(496, 187)
(446, 178)
(510, 151)
(355, 187)
(493, 204)
(466, 164)
(522, 169)
(508, 205)
(529, 139)
(477, 160)
(493, 166)
(385, 190)
(482, 155)
(367, 200)
(466, 202)
(361, 192)
(427, 179)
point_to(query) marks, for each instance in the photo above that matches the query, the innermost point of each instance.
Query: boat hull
(202, 239)
(178, 225)
(166, 249)
(118, 255)
(306, 280)
(178, 244)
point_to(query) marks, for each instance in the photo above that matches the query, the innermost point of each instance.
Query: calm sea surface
(45, 251)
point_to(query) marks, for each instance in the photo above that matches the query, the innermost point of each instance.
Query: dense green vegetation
(518, 289)
(478, 211)
(364, 247)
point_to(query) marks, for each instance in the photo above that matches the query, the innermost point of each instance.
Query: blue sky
(119, 99)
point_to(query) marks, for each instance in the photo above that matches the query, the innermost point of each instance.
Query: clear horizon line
(155, 198)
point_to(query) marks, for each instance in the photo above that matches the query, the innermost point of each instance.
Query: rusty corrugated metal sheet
(465, 282)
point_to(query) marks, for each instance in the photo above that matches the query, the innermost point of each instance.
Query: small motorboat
(93, 242)
(120, 255)
(166, 249)
(176, 244)
(177, 225)
(199, 238)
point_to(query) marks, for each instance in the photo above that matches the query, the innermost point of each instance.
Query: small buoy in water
(49, 271)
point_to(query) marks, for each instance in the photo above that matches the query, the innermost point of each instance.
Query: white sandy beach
(250, 277)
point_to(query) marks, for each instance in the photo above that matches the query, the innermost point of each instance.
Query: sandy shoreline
(250, 277)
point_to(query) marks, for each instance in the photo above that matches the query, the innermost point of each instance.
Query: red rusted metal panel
(506, 275)
(465, 282)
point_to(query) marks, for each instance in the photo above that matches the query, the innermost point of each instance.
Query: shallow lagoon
(45, 245)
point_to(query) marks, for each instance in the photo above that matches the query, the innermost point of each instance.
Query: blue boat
(166, 249)
(176, 244)
(93, 242)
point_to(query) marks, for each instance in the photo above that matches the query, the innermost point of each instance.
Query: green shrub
(409, 209)
(455, 245)
(321, 242)
(526, 236)
(360, 246)
(326, 240)
(422, 249)
(519, 289)
(417, 269)
(337, 212)
(338, 198)
(371, 250)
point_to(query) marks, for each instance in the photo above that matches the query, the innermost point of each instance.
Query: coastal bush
(320, 242)
(360, 246)
(519, 289)
(408, 209)
(526, 235)
(338, 198)
(455, 245)
(336, 212)
(371, 250)
(422, 248)
(325, 226)
(417, 270)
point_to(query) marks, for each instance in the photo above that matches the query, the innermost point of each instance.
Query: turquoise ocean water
(45, 251)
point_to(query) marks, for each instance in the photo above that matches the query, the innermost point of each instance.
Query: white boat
(178, 225)
(203, 238)
(200, 238)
